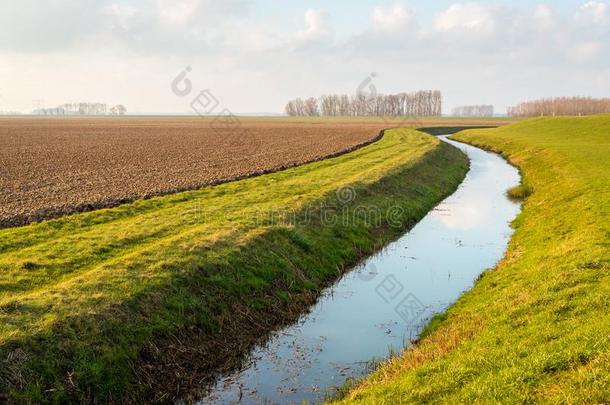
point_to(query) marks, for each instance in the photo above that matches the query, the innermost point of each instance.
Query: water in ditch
(381, 305)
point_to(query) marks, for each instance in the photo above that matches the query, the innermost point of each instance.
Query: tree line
(474, 111)
(561, 106)
(422, 103)
(82, 109)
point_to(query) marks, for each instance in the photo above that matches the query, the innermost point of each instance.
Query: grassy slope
(537, 328)
(83, 295)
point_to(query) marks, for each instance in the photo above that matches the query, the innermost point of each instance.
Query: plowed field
(52, 167)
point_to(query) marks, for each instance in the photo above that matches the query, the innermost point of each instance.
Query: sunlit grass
(83, 293)
(536, 328)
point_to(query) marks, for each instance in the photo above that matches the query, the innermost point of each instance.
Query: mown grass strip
(144, 300)
(536, 328)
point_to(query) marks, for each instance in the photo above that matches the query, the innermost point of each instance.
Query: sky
(251, 56)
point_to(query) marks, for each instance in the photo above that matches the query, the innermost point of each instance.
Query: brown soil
(58, 166)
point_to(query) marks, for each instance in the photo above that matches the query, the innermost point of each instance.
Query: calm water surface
(384, 302)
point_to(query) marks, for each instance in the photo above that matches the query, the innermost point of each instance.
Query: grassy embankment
(145, 299)
(536, 328)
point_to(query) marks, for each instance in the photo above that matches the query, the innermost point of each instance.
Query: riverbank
(535, 329)
(147, 300)
(387, 298)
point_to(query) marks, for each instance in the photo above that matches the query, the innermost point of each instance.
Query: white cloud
(594, 12)
(467, 18)
(585, 52)
(32, 26)
(122, 16)
(176, 11)
(544, 18)
(145, 26)
(393, 19)
(317, 26)
(498, 52)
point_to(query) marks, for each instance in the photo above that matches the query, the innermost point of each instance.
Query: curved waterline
(384, 303)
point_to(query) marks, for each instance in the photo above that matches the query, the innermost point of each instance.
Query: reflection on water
(383, 303)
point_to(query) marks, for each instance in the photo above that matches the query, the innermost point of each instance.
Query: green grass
(537, 327)
(85, 297)
(520, 192)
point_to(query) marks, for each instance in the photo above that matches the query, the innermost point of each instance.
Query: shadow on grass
(449, 130)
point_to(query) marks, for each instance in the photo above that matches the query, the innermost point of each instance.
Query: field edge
(172, 365)
(54, 213)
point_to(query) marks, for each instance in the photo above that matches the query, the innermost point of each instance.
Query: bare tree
(311, 107)
(561, 106)
(328, 105)
(421, 103)
(83, 109)
(291, 109)
(118, 109)
(344, 105)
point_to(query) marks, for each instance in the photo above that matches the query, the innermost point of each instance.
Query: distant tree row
(561, 106)
(82, 109)
(422, 103)
(474, 111)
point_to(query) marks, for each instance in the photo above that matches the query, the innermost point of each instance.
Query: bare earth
(56, 166)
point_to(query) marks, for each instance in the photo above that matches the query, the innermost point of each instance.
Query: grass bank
(146, 300)
(536, 328)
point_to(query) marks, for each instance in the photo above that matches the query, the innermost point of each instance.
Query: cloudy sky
(254, 55)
